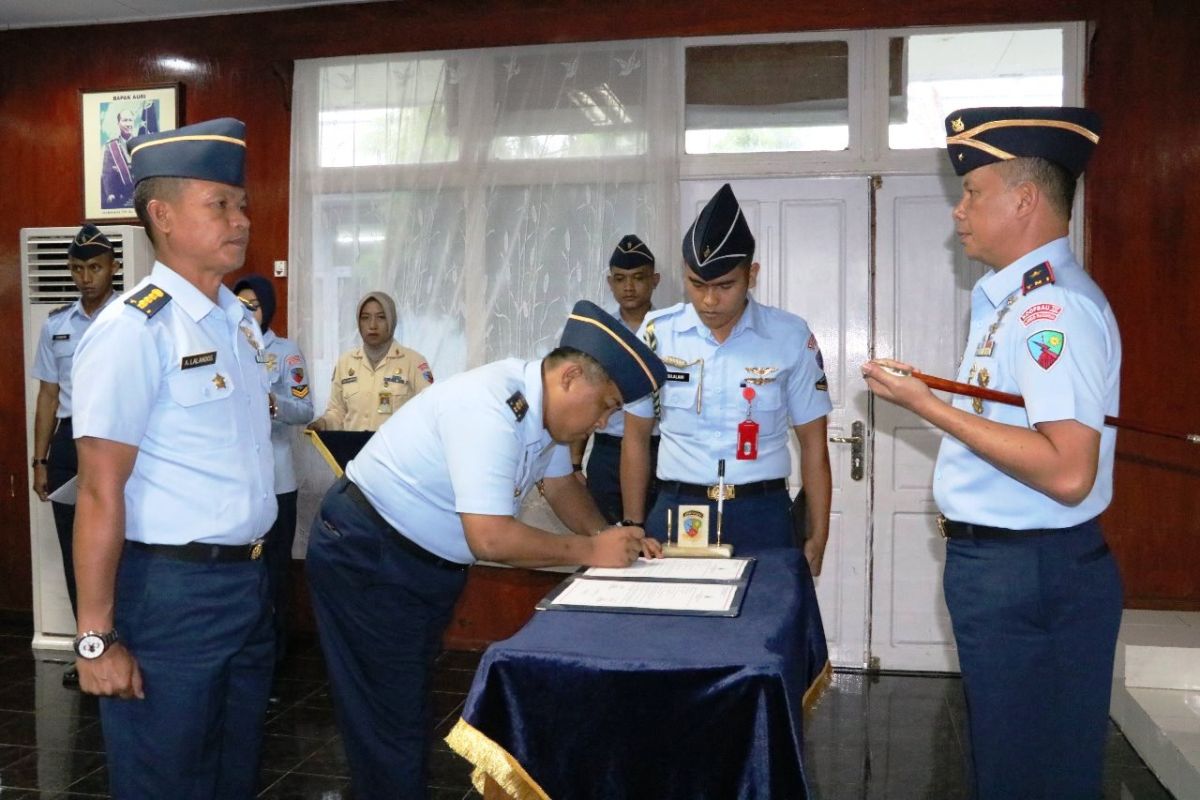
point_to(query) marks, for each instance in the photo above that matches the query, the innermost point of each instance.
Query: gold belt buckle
(941, 523)
(256, 549)
(714, 492)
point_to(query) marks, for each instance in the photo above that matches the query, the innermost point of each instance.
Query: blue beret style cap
(631, 253)
(209, 151)
(719, 239)
(633, 366)
(976, 137)
(89, 243)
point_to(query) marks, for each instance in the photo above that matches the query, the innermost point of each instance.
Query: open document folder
(338, 447)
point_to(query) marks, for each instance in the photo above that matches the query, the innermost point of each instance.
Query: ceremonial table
(583, 704)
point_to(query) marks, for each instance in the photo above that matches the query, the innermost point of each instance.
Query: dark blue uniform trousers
(201, 634)
(277, 551)
(1035, 621)
(380, 612)
(604, 476)
(62, 463)
(758, 522)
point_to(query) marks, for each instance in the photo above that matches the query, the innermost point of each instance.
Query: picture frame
(110, 117)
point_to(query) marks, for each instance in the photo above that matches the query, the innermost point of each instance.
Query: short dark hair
(593, 370)
(153, 189)
(1056, 184)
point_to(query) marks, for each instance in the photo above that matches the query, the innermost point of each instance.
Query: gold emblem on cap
(957, 125)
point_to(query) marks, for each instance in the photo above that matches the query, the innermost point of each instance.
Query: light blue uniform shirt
(56, 348)
(293, 404)
(458, 447)
(186, 387)
(702, 401)
(1080, 381)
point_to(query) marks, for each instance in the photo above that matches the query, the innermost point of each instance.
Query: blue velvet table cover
(611, 705)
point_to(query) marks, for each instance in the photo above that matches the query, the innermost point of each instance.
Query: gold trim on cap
(206, 137)
(92, 241)
(620, 341)
(967, 138)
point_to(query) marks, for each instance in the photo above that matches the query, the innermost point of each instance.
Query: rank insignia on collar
(149, 301)
(519, 405)
(1036, 277)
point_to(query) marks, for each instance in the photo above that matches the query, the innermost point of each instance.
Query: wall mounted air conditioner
(46, 285)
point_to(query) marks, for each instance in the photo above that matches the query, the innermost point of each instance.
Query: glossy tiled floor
(896, 737)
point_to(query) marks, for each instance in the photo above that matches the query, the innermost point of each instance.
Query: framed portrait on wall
(110, 119)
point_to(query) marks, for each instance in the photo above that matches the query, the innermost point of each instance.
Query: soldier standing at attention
(1033, 592)
(176, 489)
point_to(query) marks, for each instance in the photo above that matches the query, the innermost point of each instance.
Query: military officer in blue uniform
(1033, 592)
(291, 408)
(632, 279)
(93, 266)
(176, 489)
(437, 487)
(741, 377)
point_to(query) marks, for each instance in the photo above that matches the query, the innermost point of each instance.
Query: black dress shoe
(71, 678)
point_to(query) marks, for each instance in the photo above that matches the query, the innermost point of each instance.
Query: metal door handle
(855, 440)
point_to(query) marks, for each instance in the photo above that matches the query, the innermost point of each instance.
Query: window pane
(933, 75)
(589, 104)
(761, 98)
(389, 112)
(546, 247)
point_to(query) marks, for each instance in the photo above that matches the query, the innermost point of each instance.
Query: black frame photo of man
(111, 118)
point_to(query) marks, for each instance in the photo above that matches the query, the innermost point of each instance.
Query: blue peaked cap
(209, 151)
(631, 365)
(976, 137)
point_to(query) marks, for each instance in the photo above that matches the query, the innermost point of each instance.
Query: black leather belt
(202, 553)
(949, 529)
(614, 441)
(732, 492)
(355, 495)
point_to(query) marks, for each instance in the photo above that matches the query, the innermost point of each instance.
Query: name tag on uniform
(353, 379)
(61, 337)
(198, 360)
(682, 377)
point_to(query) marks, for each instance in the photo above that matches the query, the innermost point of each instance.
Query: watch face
(90, 646)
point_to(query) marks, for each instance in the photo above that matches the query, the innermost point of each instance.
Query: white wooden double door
(873, 266)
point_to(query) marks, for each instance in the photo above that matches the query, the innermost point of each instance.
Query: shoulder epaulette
(150, 300)
(1041, 275)
(61, 309)
(519, 405)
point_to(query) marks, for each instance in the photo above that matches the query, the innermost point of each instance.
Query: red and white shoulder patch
(1039, 312)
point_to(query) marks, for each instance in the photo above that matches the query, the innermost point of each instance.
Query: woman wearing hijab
(371, 382)
(291, 406)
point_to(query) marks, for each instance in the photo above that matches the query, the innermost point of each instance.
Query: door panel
(922, 285)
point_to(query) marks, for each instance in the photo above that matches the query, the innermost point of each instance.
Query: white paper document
(651, 595)
(687, 569)
(67, 493)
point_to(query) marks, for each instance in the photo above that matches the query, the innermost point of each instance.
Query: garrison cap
(719, 239)
(209, 151)
(631, 365)
(631, 253)
(89, 243)
(976, 137)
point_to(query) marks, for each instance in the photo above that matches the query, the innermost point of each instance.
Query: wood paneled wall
(1144, 228)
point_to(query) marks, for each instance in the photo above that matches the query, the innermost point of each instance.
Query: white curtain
(483, 189)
